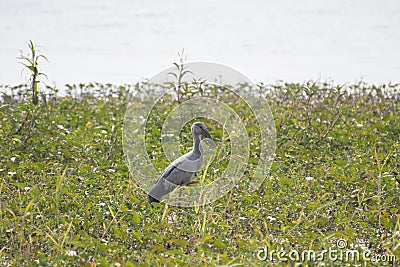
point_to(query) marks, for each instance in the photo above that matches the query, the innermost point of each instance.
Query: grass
(67, 199)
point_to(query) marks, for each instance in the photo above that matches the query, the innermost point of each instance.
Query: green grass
(65, 186)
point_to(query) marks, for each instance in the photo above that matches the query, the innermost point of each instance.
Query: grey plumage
(181, 171)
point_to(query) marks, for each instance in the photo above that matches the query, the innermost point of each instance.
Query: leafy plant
(180, 87)
(66, 197)
(31, 62)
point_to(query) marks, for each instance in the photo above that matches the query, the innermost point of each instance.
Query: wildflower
(71, 253)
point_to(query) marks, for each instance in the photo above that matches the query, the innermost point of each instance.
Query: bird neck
(196, 144)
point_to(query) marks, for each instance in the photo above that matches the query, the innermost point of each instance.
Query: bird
(181, 171)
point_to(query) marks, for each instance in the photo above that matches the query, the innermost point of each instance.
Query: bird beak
(207, 135)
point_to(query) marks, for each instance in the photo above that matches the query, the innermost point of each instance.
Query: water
(126, 41)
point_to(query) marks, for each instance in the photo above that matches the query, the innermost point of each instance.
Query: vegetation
(67, 197)
(31, 63)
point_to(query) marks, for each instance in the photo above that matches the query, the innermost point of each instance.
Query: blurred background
(126, 41)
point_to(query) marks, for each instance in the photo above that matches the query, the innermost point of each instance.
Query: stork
(181, 171)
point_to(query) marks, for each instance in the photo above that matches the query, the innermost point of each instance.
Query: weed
(67, 198)
(31, 62)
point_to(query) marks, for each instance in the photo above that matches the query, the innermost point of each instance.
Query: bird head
(199, 128)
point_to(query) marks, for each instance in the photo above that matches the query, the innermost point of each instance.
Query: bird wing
(171, 178)
(179, 172)
(167, 172)
(182, 168)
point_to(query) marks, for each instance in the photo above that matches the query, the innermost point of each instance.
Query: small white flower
(104, 132)
(142, 119)
(63, 128)
(71, 253)
(168, 135)
(27, 188)
(271, 218)
(171, 218)
(309, 178)
(12, 173)
(13, 159)
(359, 125)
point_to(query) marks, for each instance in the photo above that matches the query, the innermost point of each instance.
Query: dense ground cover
(66, 196)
